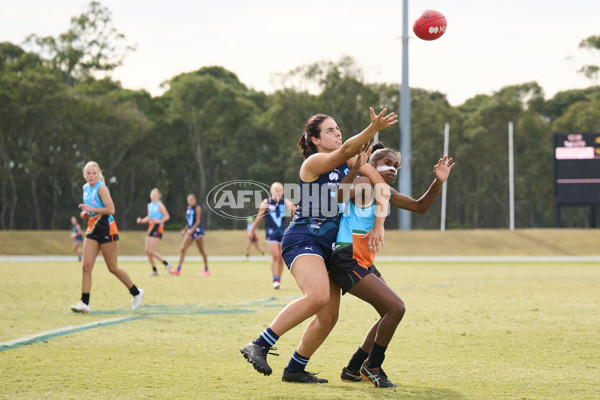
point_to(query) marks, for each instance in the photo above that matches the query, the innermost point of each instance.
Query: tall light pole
(405, 182)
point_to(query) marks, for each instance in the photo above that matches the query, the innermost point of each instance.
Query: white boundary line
(11, 344)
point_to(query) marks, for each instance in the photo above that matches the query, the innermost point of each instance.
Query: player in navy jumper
(308, 241)
(273, 210)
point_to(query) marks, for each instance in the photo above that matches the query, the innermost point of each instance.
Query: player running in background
(351, 265)
(101, 234)
(77, 236)
(309, 239)
(156, 218)
(273, 210)
(252, 239)
(192, 232)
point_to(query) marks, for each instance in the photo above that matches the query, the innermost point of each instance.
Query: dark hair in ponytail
(379, 150)
(377, 146)
(311, 129)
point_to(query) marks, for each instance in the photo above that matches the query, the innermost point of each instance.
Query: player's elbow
(420, 210)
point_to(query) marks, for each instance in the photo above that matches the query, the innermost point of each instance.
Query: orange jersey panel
(360, 250)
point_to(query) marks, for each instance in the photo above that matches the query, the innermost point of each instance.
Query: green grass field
(521, 330)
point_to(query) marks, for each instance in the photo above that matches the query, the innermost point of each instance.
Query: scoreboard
(577, 169)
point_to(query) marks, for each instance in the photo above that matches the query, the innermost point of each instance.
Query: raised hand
(442, 169)
(381, 121)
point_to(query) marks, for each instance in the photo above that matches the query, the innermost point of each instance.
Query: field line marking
(39, 337)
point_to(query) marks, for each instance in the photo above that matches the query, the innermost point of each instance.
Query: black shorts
(102, 238)
(345, 271)
(156, 231)
(101, 230)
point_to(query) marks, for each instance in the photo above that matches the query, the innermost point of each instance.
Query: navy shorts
(274, 235)
(295, 245)
(345, 271)
(198, 232)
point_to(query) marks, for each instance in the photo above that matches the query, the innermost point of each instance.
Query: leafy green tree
(91, 45)
(218, 117)
(36, 104)
(556, 106)
(590, 43)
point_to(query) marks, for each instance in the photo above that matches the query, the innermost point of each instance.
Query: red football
(430, 25)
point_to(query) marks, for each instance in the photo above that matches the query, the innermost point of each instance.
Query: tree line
(59, 108)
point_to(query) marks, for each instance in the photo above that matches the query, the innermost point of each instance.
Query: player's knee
(113, 269)
(317, 300)
(328, 321)
(397, 309)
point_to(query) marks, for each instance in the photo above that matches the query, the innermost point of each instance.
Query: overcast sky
(488, 44)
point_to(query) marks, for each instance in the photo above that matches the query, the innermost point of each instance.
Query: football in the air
(430, 25)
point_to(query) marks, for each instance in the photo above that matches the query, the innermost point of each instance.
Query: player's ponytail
(311, 129)
(377, 146)
(379, 150)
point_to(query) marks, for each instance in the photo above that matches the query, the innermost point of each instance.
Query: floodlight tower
(405, 181)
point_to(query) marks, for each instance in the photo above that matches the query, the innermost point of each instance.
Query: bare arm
(197, 222)
(382, 194)
(144, 220)
(164, 212)
(261, 214)
(441, 171)
(291, 206)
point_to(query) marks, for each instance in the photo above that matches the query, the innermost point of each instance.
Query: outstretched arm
(441, 171)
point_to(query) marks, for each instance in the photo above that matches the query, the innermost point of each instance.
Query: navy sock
(85, 298)
(297, 363)
(267, 338)
(357, 360)
(134, 290)
(376, 356)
